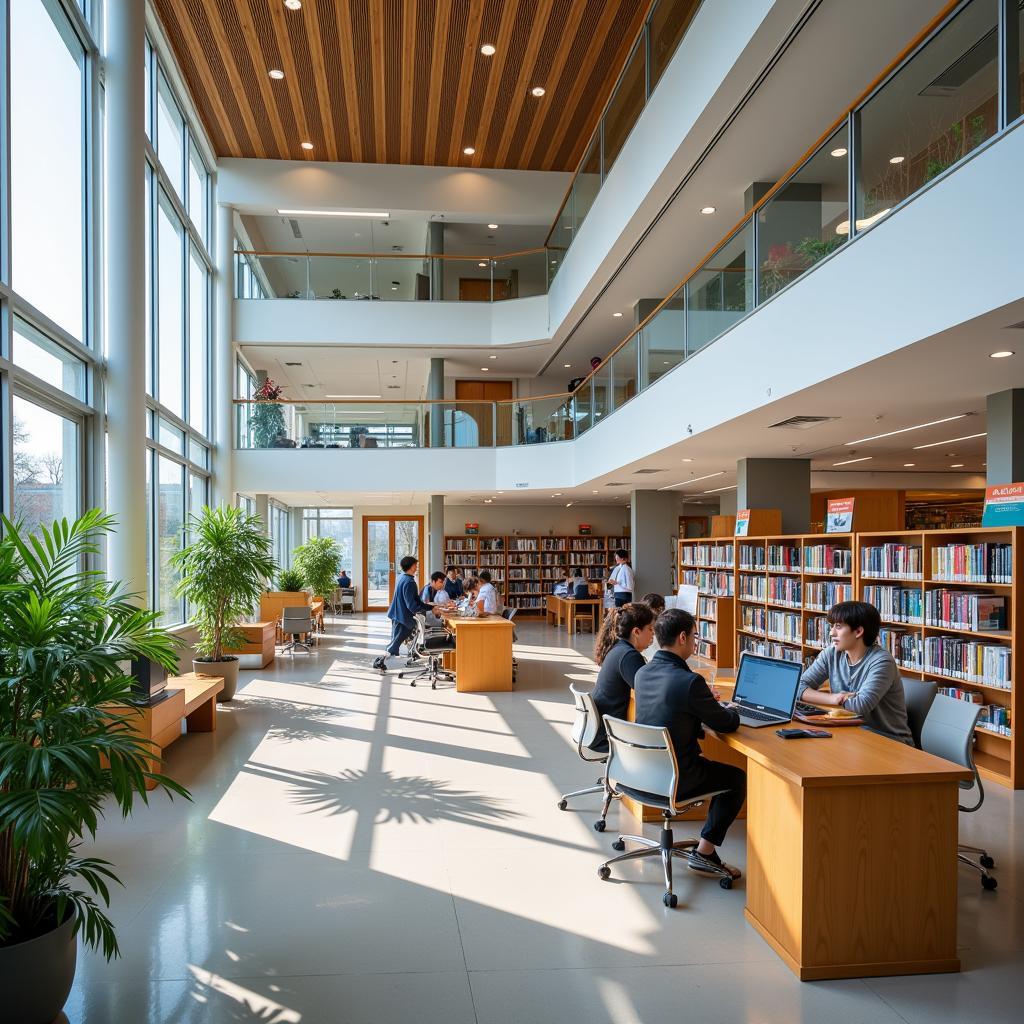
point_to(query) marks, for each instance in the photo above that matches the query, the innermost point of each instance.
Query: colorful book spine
(785, 590)
(828, 560)
(752, 557)
(820, 597)
(784, 557)
(964, 609)
(973, 563)
(753, 588)
(892, 561)
(969, 660)
(896, 604)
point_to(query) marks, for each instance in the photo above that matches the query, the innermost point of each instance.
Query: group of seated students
(620, 582)
(863, 678)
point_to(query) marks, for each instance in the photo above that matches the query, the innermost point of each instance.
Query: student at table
(862, 677)
(487, 598)
(453, 584)
(657, 605)
(668, 694)
(578, 586)
(434, 592)
(467, 604)
(343, 579)
(405, 605)
(562, 586)
(625, 632)
(621, 578)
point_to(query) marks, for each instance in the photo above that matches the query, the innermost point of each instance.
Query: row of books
(784, 626)
(523, 574)
(707, 607)
(589, 559)
(753, 588)
(460, 544)
(523, 544)
(821, 596)
(783, 556)
(897, 604)
(527, 587)
(893, 561)
(970, 660)
(587, 544)
(717, 584)
(785, 590)
(754, 619)
(704, 649)
(752, 557)
(526, 602)
(462, 561)
(493, 559)
(828, 559)
(492, 543)
(973, 563)
(817, 631)
(707, 630)
(524, 559)
(554, 559)
(552, 544)
(906, 648)
(716, 555)
(770, 648)
(964, 609)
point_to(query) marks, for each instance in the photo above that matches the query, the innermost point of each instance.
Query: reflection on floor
(361, 851)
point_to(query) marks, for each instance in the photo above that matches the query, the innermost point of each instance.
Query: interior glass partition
(626, 105)
(722, 291)
(624, 373)
(662, 342)
(668, 23)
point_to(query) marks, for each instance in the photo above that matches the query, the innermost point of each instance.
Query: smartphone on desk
(801, 734)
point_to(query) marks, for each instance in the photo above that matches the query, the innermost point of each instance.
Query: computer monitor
(769, 683)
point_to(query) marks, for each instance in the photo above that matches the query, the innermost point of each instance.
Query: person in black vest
(625, 632)
(668, 694)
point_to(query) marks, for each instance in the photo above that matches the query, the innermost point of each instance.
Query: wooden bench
(259, 647)
(200, 700)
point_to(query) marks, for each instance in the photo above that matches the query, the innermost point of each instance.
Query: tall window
(279, 539)
(335, 523)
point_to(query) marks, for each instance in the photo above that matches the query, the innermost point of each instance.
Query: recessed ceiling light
(593, 492)
(485, 369)
(903, 430)
(707, 210)
(896, 159)
(841, 151)
(692, 480)
(715, 490)
(538, 91)
(469, 151)
(687, 460)
(616, 314)
(1005, 354)
(488, 50)
(493, 227)
(493, 357)
(567, 366)
(850, 462)
(908, 465)
(957, 465)
(306, 145)
(293, 5)
(949, 440)
(557, 494)
(487, 501)
(276, 73)
(481, 264)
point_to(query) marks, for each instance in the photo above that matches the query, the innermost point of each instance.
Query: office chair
(431, 645)
(948, 732)
(347, 599)
(296, 622)
(918, 695)
(585, 726)
(642, 765)
(510, 614)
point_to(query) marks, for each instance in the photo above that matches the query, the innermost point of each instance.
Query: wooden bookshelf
(907, 591)
(709, 564)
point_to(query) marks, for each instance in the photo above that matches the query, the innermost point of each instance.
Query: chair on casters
(918, 695)
(510, 614)
(642, 765)
(347, 599)
(585, 726)
(948, 732)
(432, 646)
(296, 622)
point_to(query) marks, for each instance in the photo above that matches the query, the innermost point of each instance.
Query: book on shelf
(707, 630)
(704, 649)
(783, 557)
(586, 544)
(460, 544)
(892, 561)
(828, 559)
(753, 588)
(769, 648)
(995, 718)
(972, 661)
(896, 603)
(753, 619)
(973, 563)
(752, 558)
(964, 609)
(707, 607)
(552, 544)
(817, 632)
(525, 558)
(492, 543)
(785, 590)
(820, 596)
(556, 558)
(618, 542)
(523, 544)
(715, 584)
(717, 556)
(906, 647)
(784, 626)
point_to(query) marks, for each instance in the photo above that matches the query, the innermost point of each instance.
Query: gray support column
(654, 526)
(126, 293)
(727, 503)
(1005, 442)
(435, 247)
(777, 483)
(223, 357)
(294, 528)
(435, 537)
(262, 502)
(435, 390)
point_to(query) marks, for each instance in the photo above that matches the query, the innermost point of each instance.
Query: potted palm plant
(316, 562)
(66, 746)
(222, 570)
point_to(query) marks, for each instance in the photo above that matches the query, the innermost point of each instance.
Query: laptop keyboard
(758, 716)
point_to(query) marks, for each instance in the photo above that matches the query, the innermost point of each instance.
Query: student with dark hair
(434, 592)
(621, 578)
(487, 598)
(578, 586)
(862, 677)
(402, 612)
(625, 632)
(453, 585)
(656, 602)
(668, 694)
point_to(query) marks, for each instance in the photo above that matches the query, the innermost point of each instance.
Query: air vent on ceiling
(293, 364)
(617, 485)
(394, 387)
(296, 230)
(802, 422)
(962, 70)
(398, 248)
(640, 472)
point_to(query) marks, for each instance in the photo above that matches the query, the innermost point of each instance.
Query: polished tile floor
(361, 852)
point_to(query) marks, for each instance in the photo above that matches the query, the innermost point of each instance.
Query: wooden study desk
(567, 608)
(482, 660)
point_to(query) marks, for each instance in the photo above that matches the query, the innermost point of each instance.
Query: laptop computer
(765, 690)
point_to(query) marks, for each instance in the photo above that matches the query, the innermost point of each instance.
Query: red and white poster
(839, 517)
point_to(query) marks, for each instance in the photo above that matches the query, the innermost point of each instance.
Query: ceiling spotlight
(538, 91)
(469, 151)
(850, 462)
(493, 357)
(896, 159)
(487, 501)
(957, 465)
(481, 264)
(841, 151)
(707, 210)
(485, 369)
(293, 5)
(1005, 354)
(307, 145)
(488, 50)
(567, 366)
(557, 494)
(593, 492)
(687, 460)
(276, 73)
(909, 465)
(616, 314)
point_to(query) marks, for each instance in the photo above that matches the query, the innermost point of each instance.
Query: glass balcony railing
(916, 125)
(392, 278)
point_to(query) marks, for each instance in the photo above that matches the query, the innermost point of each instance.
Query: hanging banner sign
(1004, 505)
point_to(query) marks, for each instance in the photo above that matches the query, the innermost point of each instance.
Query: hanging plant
(266, 422)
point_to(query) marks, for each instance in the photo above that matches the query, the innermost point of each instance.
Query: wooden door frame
(391, 520)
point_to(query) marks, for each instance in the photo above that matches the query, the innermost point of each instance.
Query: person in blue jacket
(404, 606)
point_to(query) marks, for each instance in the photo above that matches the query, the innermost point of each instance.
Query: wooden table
(259, 648)
(482, 660)
(567, 609)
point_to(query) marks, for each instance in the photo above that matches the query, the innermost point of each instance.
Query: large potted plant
(222, 574)
(317, 563)
(66, 746)
(266, 421)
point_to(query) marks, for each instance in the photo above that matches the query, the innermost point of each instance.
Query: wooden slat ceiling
(403, 81)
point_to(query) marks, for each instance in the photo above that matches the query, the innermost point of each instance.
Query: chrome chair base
(965, 855)
(432, 671)
(293, 646)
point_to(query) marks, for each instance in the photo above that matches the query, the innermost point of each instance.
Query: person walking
(621, 578)
(402, 611)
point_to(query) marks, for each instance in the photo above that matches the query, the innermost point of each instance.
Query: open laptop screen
(769, 683)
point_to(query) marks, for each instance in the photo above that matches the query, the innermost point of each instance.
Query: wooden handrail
(388, 255)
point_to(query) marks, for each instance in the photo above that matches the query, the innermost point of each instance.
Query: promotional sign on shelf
(1004, 505)
(584, 529)
(839, 517)
(742, 522)
(472, 529)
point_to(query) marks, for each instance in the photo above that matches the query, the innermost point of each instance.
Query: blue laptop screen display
(768, 682)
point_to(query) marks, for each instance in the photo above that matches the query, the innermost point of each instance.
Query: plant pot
(226, 669)
(36, 975)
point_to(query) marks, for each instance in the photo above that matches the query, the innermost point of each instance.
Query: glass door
(386, 541)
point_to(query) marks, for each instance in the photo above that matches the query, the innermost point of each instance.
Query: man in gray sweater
(863, 677)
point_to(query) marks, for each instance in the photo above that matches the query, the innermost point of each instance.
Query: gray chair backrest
(587, 721)
(421, 628)
(296, 620)
(918, 695)
(641, 757)
(948, 732)
(509, 613)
